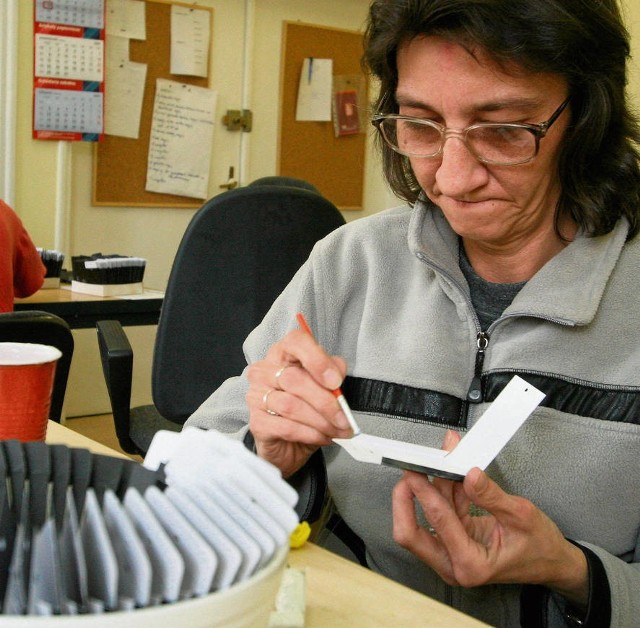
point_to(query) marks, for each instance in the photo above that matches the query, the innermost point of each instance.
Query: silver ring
(265, 401)
(279, 372)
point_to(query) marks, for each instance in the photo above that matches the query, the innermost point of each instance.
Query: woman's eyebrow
(520, 103)
(523, 104)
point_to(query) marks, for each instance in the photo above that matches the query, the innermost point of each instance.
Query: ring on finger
(265, 401)
(279, 372)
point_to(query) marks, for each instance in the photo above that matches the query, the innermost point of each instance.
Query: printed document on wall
(181, 139)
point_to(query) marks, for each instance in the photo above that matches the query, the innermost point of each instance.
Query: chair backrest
(292, 182)
(237, 254)
(48, 329)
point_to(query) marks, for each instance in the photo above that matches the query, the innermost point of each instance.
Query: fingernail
(332, 379)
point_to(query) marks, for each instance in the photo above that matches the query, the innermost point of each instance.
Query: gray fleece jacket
(387, 294)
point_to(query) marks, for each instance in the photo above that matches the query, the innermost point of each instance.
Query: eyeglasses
(503, 144)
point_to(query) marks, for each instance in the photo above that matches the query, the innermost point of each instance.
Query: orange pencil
(337, 393)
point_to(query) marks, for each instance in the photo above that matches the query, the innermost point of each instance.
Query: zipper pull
(474, 394)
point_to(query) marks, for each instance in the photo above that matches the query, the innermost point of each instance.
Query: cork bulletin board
(120, 163)
(310, 150)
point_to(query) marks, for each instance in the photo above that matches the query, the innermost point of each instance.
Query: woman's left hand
(514, 543)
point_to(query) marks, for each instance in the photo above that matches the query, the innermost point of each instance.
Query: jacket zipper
(475, 393)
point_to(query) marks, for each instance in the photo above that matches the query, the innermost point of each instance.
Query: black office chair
(237, 254)
(286, 181)
(48, 329)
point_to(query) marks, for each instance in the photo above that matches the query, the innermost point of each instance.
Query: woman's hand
(514, 543)
(292, 411)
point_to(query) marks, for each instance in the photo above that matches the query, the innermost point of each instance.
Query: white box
(106, 289)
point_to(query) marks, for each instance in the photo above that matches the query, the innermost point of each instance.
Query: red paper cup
(26, 383)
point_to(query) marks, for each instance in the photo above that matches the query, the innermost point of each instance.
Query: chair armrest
(116, 356)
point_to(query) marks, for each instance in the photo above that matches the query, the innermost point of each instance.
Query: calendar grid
(68, 94)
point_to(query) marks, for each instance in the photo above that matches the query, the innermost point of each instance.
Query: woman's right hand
(292, 411)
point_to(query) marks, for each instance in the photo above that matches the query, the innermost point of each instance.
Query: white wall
(631, 12)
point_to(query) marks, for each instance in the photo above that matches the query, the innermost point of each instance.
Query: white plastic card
(166, 561)
(263, 493)
(264, 540)
(248, 546)
(200, 454)
(229, 556)
(161, 449)
(44, 591)
(103, 575)
(256, 511)
(204, 457)
(74, 566)
(199, 559)
(134, 566)
(478, 447)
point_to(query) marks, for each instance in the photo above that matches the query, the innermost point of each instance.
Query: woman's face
(499, 206)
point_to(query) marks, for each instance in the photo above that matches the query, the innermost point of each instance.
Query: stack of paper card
(107, 275)
(85, 533)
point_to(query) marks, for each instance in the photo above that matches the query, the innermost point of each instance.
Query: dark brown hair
(584, 41)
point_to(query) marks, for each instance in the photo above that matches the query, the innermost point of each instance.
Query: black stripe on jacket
(418, 404)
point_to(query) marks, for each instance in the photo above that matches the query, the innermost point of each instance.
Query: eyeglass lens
(499, 144)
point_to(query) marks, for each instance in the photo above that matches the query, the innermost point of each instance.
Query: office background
(51, 183)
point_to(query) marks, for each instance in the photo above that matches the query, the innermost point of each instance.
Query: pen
(310, 70)
(337, 393)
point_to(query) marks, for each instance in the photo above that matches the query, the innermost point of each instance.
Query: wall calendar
(68, 77)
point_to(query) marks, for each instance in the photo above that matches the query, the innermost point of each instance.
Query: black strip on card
(409, 466)
(16, 470)
(136, 476)
(36, 454)
(106, 474)
(81, 463)
(60, 458)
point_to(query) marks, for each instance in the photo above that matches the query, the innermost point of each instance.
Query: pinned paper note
(315, 90)
(478, 447)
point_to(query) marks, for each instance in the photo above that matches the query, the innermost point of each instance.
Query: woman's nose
(459, 171)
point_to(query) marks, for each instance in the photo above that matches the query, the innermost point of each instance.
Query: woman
(503, 124)
(21, 269)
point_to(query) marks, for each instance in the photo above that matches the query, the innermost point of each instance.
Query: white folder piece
(480, 445)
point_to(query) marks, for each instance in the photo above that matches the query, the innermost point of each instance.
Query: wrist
(572, 581)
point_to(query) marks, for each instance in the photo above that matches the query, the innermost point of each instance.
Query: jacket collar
(568, 288)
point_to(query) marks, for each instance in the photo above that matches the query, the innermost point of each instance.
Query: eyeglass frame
(538, 130)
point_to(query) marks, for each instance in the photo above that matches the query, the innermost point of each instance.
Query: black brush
(108, 269)
(52, 261)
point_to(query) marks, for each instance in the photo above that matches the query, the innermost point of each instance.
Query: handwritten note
(190, 29)
(181, 139)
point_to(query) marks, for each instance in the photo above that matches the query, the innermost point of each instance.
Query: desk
(82, 311)
(338, 592)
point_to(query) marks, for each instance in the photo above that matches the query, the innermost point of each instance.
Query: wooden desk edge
(58, 434)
